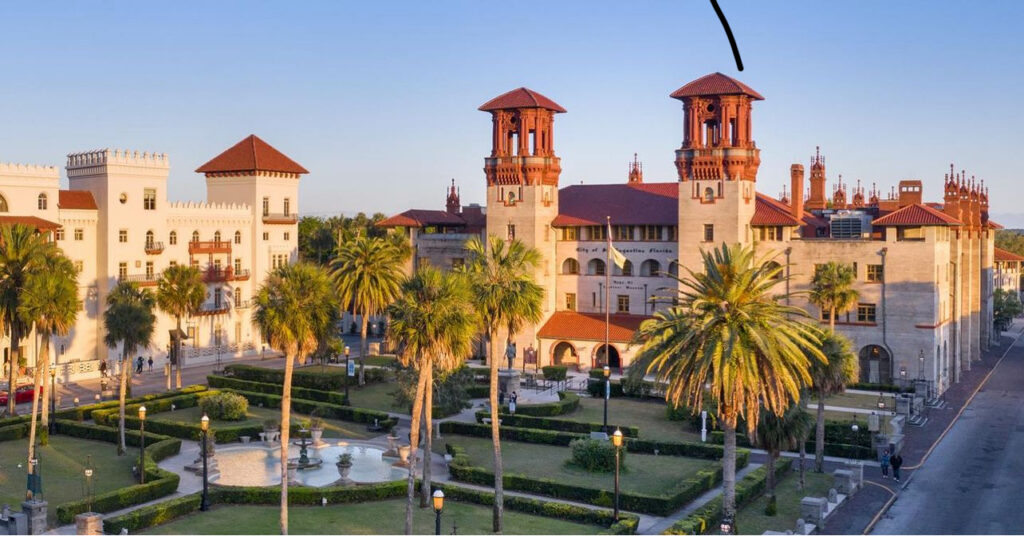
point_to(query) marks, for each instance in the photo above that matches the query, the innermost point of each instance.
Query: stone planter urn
(403, 455)
(392, 446)
(316, 434)
(344, 467)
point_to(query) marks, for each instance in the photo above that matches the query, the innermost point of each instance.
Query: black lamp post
(347, 380)
(727, 526)
(53, 399)
(607, 394)
(617, 442)
(204, 426)
(142, 443)
(88, 483)
(438, 506)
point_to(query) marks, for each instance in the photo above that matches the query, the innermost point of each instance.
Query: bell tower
(717, 165)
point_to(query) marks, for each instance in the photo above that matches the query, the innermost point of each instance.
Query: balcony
(154, 248)
(219, 275)
(143, 280)
(209, 246)
(244, 304)
(213, 309)
(283, 219)
(240, 275)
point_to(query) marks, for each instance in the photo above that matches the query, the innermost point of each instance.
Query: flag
(615, 255)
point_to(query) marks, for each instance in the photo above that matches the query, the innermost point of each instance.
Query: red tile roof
(38, 224)
(627, 204)
(76, 200)
(769, 212)
(915, 214)
(250, 155)
(521, 98)
(421, 218)
(590, 326)
(715, 84)
(994, 225)
(1003, 256)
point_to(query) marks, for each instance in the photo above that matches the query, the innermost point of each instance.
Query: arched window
(42, 202)
(673, 269)
(3, 204)
(238, 237)
(149, 239)
(709, 194)
(772, 265)
(626, 270)
(216, 236)
(570, 266)
(650, 268)
(195, 236)
(595, 267)
(238, 297)
(173, 238)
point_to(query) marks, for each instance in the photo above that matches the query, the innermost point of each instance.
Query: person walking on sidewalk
(896, 462)
(885, 463)
(151, 363)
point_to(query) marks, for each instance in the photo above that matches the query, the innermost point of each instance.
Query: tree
(829, 377)
(128, 320)
(506, 295)
(23, 252)
(433, 323)
(180, 292)
(731, 339)
(776, 433)
(832, 290)
(367, 273)
(1005, 307)
(51, 304)
(295, 309)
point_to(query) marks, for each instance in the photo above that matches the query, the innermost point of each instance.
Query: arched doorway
(875, 364)
(612, 358)
(564, 353)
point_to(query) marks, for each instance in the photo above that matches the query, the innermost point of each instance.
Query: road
(972, 482)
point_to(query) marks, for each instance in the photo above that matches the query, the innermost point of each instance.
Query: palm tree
(23, 252)
(731, 338)
(433, 323)
(830, 378)
(506, 295)
(128, 320)
(367, 273)
(51, 304)
(180, 292)
(294, 309)
(776, 433)
(832, 290)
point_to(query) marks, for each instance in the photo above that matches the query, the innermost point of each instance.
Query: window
(597, 232)
(673, 269)
(650, 268)
(570, 233)
(238, 265)
(866, 313)
(149, 199)
(216, 236)
(825, 315)
(238, 297)
(672, 233)
(771, 234)
(149, 270)
(570, 267)
(595, 267)
(194, 263)
(511, 231)
(623, 232)
(287, 206)
(266, 236)
(193, 335)
(172, 263)
(623, 303)
(149, 239)
(458, 262)
(216, 265)
(651, 232)
(709, 232)
(570, 301)
(218, 295)
(238, 237)
(287, 236)
(59, 234)
(122, 270)
(122, 236)
(195, 236)
(875, 274)
(910, 233)
(78, 266)
(709, 195)
(626, 270)
(266, 207)
(593, 299)
(41, 202)
(172, 239)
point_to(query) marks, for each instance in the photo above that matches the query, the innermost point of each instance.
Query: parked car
(22, 394)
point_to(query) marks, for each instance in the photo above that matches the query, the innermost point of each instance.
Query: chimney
(910, 193)
(796, 187)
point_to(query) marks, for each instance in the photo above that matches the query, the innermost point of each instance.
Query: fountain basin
(258, 465)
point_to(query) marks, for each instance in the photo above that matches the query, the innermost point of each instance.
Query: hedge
(109, 416)
(84, 413)
(330, 411)
(478, 391)
(567, 403)
(153, 514)
(561, 425)
(691, 450)
(835, 435)
(328, 379)
(304, 393)
(14, 431)
(460, 469)
(883, 387)
(596, 388)
(707, 517)
(555, 373)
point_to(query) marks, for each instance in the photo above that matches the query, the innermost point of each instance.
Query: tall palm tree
(433, 323)
(180, 292)
(367, 273)
(506, 295)
(829, 378)
(128, 320)
(23, 252)
(51, 304)
(776, 433)
(294, 309)
(732, 339)
(832, 290)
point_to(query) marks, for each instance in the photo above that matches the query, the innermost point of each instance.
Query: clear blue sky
(378, 99)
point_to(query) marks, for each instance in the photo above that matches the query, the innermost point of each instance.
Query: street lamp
(53, 399)
(438, 506)
(617, 442)
(88, 483)
(204, 427)
(607, 394)
(347, 373)
(727, 526)
(881, 402)
(142, 442)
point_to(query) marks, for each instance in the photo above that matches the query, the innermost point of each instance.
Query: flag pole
(607, 295)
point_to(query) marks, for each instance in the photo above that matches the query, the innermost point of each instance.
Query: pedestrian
(885, 463)
(138, 365)
(512, 402)
(896, 462)
(103, 368)
(501, 397)
(151, 363)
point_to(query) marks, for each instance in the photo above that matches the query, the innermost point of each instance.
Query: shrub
(225, 406)
(84, 413)
(14, 431)
(152, 515)
(561, 425)
(595, 455)
(567, 403)
(304, 393)
(555, 373)
(596, 388)
(331, 411)
(323, 379)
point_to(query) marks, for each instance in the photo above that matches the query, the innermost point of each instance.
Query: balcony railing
(217, 275)
(153, 248)
(213, 309)
(244, 304)
(209, 246)
(143, 280)
(241, 275)
(280, 218)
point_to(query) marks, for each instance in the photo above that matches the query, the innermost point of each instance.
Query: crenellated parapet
(89, 162)
(10, 169)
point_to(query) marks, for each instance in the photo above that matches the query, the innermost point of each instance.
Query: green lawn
(644, 474)
(752, 520)
(844, 416)
(62, 468)
(257, 415)
(376, 396)
(850, 400)
(381, 360)
(384, 517)
(649, 416)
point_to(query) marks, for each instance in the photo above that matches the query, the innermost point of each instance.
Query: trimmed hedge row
(841, 450)
(478, 391)
(883, 387)
(15, 431)
(461, 469)
(109, 416)
(691, 450)
(707, 517)
(561, 425)
(330, 411)
(304, 393)
(153, 515)
(567, 403)
(84, 413)
(329, 379)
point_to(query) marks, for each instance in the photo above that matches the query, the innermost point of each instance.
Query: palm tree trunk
(770, 482)
(44, 356)
(121, 447)
(803, 456)
(499, 491)
(286, 423)
(177, 366)
(819, 435)
(832, 320)
(13, 367)
(729, 471)
(363, 348)
(414, 439)
(32, 426)
(428, 430)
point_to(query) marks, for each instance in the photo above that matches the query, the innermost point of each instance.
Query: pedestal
(89, 523)
(35, 511)
(508, 381)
